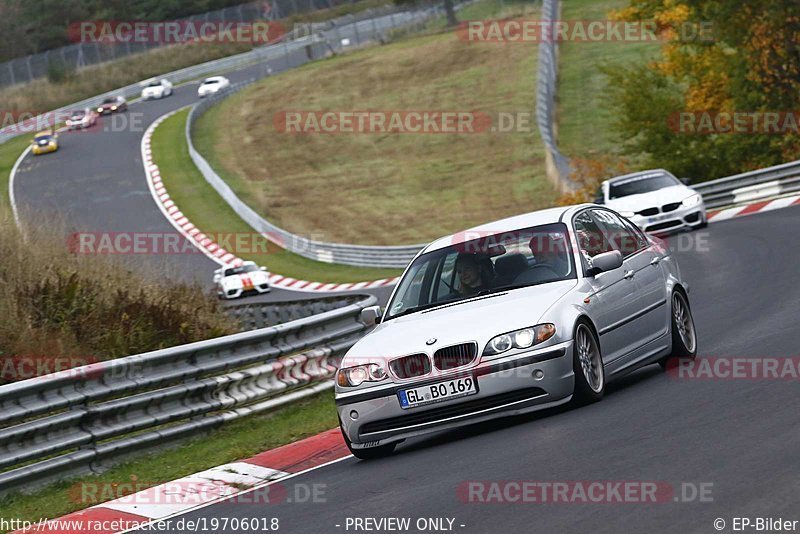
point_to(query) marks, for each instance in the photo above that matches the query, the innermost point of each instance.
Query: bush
(55, 304)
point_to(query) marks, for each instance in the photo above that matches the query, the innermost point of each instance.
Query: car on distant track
(212, 85)
(156, 88)
(655, 200)
(112, 104)
(234, 281)
(81, 119)
(510, 317)
(44, 142)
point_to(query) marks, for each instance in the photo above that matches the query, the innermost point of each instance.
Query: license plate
(438, 392)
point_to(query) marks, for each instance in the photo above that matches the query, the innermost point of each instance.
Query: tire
(684, 334)
(587, 364)
(373, 453)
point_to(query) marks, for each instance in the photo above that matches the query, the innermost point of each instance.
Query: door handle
(656, 260)
(628, 275)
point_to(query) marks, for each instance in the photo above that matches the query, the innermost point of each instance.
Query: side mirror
(607, 261)
(371, 315)
(686, 181)
(599, 200)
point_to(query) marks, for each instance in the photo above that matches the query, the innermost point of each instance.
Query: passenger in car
(473, 274)
(551, 251)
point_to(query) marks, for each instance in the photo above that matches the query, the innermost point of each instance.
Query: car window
(591, 239)
(617, 233)
(642, 183)
(491, 262)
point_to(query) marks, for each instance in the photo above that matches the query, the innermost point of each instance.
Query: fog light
(353, 415)
(538, 374)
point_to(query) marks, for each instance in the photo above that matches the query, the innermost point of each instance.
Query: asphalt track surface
(96, 182)
(740, 436)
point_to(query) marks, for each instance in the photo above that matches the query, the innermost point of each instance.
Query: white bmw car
(655, 200)
(510, 317)
(212, 85)
(156, 88)
(234, 281)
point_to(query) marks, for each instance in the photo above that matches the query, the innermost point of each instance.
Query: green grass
(387, 189)
(209, 212)
(237, 440)
(584, 113)
(10, 151)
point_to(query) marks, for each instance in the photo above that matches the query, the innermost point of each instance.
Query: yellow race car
(44, 142)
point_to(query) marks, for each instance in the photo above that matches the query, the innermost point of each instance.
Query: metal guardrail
(546, 81)
(751, 186)
(75, 421)
(348, 254)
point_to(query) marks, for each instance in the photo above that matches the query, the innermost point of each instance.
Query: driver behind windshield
(472, 274)
(550, 250)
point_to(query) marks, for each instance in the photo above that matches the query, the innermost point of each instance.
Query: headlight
(113, 108)
(627, 213)
(357, 375)
(520, 339)
(99, 110)
(693, 200)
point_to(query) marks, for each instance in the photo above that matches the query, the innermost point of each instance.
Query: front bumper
(506, 386)
(673, 221)
(243, 292)
(37, 149)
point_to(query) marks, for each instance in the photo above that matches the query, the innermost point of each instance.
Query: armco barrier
(751, 186)
(78, 420)
(558, 167)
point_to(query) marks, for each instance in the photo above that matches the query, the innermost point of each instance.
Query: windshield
(644, 183)
(43, 138)
(154, 84)
(486, 264)
(241, 270)
(110, 101)
(78, 114)
(211, 81)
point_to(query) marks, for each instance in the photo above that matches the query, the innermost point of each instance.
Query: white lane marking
(11, 179)
(779, 203)
(187, 492)
(148, 170)
(229, 497)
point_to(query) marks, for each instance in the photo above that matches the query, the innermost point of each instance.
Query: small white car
(156, 88)
(212, 85)
(654, 200)
(81, 118)
(234, 281)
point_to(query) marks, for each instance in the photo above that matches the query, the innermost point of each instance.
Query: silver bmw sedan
(509, 317)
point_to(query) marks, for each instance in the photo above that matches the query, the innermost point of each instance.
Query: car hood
(153, 89)
(478, 320)
(667, 195)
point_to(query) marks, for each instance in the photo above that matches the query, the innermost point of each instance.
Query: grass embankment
(585, 115)
(56, 305)
(42, 95)
(77, 321)
(237, 440)
(387, 188)
(211, 214)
